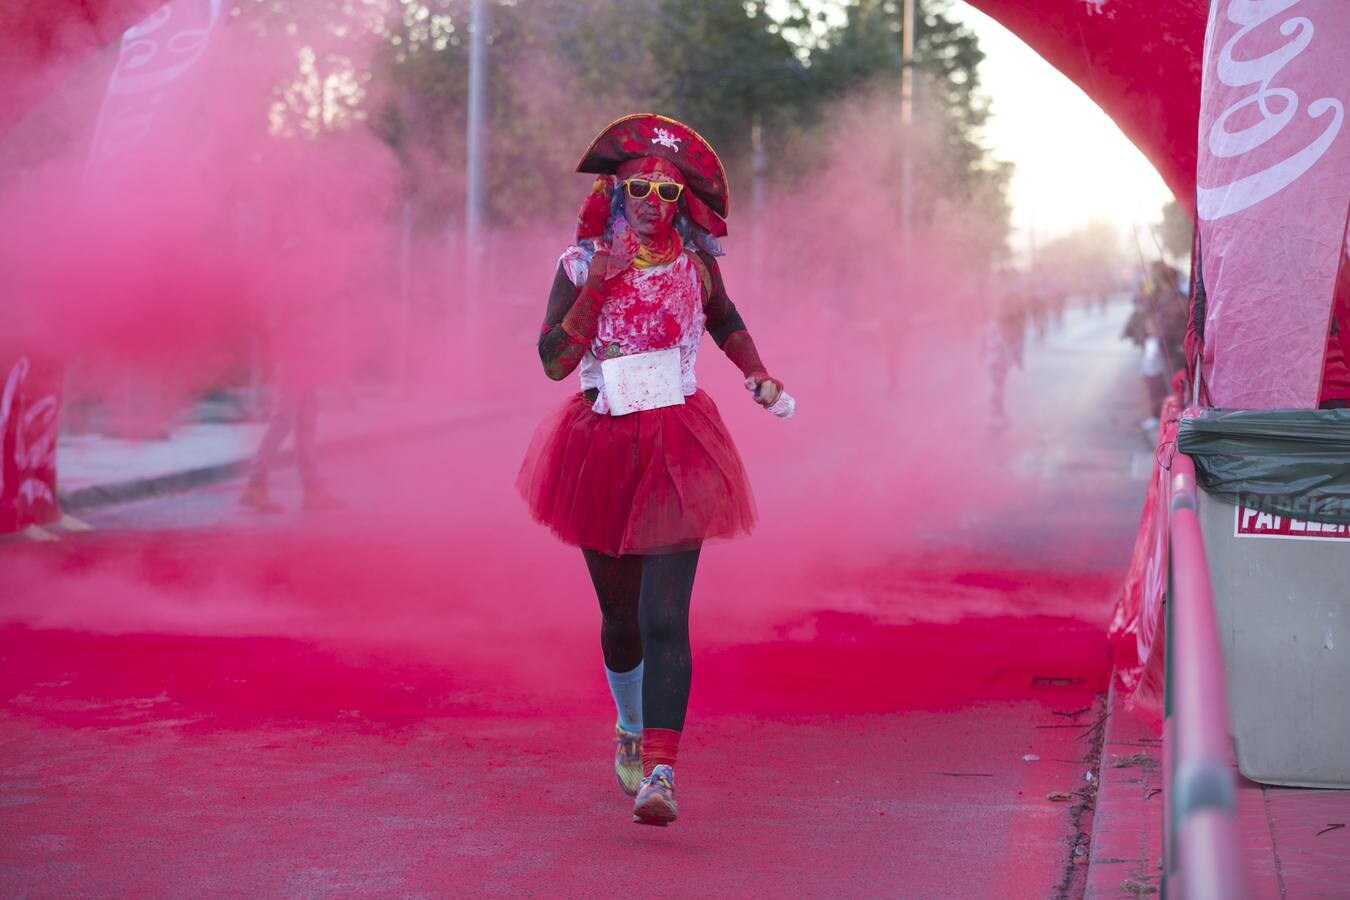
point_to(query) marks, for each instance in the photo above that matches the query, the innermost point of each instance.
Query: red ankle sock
(659, 747)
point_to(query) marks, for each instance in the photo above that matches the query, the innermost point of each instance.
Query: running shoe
(627, 759)
(655, 803)
(318, 499)
(255, 498)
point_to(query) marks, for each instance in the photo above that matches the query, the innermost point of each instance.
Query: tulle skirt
(656, 481)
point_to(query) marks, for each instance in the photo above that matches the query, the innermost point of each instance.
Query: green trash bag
(1289, 462)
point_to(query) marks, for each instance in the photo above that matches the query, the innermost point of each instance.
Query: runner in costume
(638, 469)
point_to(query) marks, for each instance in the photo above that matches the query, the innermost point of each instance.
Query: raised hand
(594, 213)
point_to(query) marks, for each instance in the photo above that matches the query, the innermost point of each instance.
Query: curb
(1127, 824)
(97, 495)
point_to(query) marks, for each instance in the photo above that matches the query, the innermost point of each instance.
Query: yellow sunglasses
(640, 188)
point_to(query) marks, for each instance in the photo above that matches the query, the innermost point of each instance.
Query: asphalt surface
(896, 679)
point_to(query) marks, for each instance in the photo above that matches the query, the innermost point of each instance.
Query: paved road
(405, 697)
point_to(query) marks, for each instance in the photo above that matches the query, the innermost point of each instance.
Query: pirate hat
(708, 197)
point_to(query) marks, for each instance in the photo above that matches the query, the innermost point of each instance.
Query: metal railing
(1202, 851)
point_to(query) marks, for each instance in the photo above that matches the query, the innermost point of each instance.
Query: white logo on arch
(1276, 107)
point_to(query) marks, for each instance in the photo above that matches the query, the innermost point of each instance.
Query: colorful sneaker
(655, 803)
(628, 759)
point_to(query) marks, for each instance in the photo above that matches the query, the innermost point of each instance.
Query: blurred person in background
(301, 335)
(637, 469)
(1158, 325)
(1172, 309)
(1006, 345)
(296, 412)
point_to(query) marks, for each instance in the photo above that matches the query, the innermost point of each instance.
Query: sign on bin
(1256, 524)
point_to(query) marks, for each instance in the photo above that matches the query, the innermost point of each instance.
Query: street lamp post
(757, 188)
(473, 176)
(473, 197)
(907, 120)
(906, 181)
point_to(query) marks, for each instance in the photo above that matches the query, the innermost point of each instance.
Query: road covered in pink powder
(897, 679)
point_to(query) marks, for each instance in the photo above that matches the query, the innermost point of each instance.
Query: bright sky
(1065, 175)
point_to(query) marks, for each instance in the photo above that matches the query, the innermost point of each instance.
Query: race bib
(642, 381)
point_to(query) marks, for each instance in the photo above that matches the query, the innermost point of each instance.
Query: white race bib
(642, 381)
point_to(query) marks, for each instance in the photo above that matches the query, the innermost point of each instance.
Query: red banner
(1136, 630)
(30, 406)
(155, 54)
(42, 44)
(1273, 187)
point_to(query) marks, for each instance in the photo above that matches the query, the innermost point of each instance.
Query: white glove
(784, 407)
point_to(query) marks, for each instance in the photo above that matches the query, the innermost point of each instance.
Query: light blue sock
(627, 690)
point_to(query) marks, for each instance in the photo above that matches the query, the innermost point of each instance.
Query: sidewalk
(94, 469)
(1297, 840)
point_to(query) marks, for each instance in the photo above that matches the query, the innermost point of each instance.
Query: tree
(865, 50)
(559, 69)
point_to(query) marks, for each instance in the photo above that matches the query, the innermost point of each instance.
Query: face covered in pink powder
(650, 217)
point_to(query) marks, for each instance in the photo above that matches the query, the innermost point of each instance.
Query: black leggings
(644, 609)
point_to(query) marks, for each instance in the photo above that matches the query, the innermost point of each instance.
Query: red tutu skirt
(656, 481)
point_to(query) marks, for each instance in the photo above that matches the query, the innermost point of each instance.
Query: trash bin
(1281, 584)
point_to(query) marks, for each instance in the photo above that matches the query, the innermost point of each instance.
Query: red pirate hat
(708, 198)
